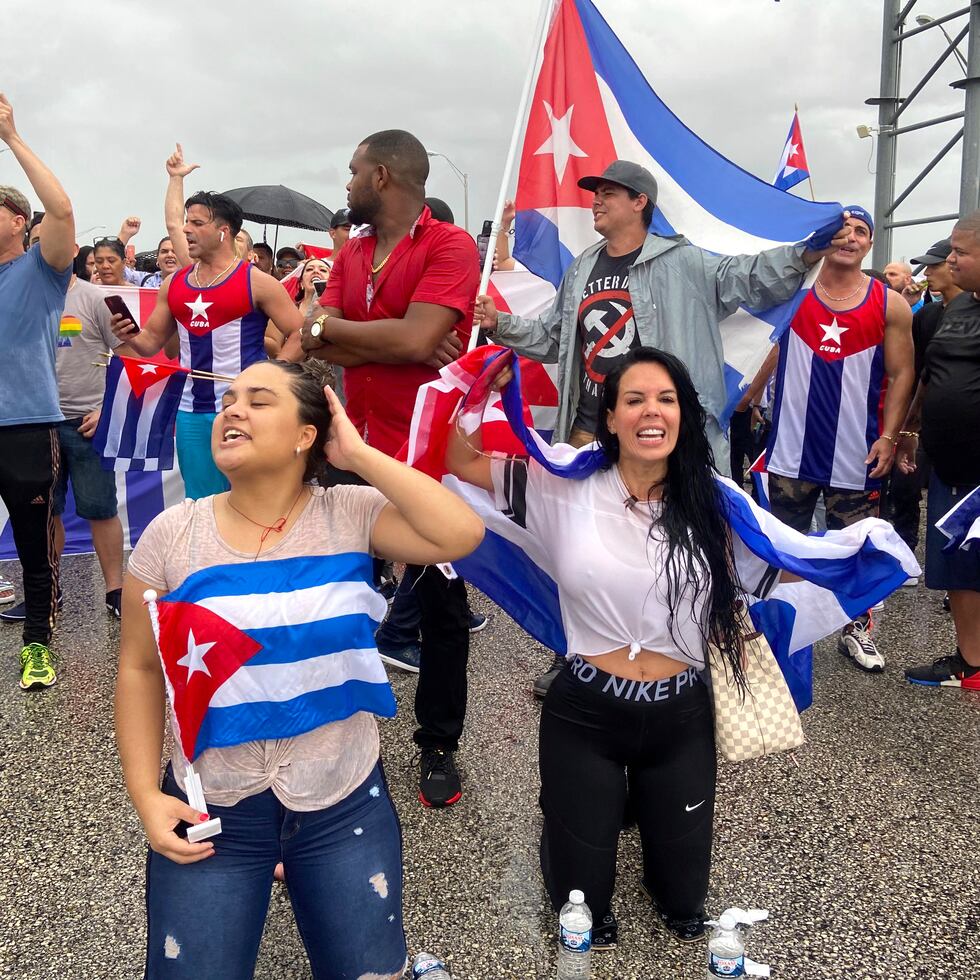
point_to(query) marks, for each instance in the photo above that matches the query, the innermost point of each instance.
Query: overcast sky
(268, 93)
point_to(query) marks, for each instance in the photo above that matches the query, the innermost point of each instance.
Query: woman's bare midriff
(647, 665)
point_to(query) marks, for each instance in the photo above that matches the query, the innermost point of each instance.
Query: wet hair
(306, 382)
(83, 253)
(700, 562)
(223, 210)
(402, 154)
(647, 213)
(114, 245)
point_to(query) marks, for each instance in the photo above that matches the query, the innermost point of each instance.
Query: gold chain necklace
(376, 269)
(841, 299)
(197, 275)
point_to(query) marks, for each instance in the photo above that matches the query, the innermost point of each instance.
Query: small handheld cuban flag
(271, 649)
(793, 168)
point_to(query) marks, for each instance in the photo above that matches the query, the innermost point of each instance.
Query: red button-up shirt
(436, 262)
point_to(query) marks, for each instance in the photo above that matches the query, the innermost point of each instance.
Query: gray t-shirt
(85, 335)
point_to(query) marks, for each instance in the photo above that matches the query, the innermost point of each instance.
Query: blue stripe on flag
(280, 575)
(303, 641)
(259, 720)
(144, 500)
(540, 248)
(822, 413)
(775, 618)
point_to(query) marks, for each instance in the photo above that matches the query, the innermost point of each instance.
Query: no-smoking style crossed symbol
(609, 344)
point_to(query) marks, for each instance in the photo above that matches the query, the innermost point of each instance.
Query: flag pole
(796, 109)
(540, 36)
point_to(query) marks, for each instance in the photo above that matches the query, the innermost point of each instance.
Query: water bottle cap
(576, 897)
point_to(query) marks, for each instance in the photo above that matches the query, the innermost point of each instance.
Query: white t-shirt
(609, 568)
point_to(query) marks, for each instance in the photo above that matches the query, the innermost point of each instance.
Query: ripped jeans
(344, 874)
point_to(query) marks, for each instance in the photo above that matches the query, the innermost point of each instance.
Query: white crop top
(608, 568)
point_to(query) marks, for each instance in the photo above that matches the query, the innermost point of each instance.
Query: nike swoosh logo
(696, 805)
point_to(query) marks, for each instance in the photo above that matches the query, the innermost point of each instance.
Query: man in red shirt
(398, 304)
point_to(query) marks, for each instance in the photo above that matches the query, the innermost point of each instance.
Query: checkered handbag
(765, 720)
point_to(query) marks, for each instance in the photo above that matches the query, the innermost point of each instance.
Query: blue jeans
(202, 478)
(94, 487)
(344, 874)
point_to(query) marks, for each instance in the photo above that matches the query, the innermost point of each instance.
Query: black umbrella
(273, 204)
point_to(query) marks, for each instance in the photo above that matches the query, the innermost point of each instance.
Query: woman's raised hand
(344, 444)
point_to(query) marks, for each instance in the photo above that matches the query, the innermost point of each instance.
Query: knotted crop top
(609, 569)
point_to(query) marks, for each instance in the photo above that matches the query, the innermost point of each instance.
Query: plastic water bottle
(428, 966)
(726, 947)
(574, 939)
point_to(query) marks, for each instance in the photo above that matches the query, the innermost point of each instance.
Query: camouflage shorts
(793, 502)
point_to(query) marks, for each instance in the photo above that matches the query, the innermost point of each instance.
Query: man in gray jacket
(638, 289)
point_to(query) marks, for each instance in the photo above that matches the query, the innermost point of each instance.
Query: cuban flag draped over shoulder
(592, 105)
(844, 572)
(793, 168)
(271, 649)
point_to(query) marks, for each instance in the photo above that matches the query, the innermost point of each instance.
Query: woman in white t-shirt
(316, 800)
(645, 578)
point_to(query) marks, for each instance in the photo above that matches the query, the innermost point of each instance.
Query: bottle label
(725, 966)
(580, 942)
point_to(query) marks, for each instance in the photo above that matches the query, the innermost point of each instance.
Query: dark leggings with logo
(597, 730)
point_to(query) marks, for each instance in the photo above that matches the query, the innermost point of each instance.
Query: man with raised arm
(33, 285)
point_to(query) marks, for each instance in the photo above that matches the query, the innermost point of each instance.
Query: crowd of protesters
(295, 457)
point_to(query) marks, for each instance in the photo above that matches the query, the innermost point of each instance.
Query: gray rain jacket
(680, 293)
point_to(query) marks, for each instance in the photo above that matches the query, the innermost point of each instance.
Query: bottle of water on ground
(726, 946)
(428, 966)
(574, 939)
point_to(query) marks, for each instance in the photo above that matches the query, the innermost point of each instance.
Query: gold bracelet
(891, 439)
(909, 435)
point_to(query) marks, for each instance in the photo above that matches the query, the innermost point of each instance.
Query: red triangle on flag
(143, 373)
(200, 651)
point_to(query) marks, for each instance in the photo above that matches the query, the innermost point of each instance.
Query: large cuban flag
(843, 573)
(592, 105)
(272, 649)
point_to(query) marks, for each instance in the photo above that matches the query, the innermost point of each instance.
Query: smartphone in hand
(319, 285)
(117, 305)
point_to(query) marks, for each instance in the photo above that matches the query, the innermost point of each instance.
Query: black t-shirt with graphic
(606, 327)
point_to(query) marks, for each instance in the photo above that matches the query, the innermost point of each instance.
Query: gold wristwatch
(316, 327)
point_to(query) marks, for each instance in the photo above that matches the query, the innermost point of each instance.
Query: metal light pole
(970, 172)
(465, 178)
(924, 19)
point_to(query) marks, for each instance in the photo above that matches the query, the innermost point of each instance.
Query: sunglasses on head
(107, 240)
(11, 205)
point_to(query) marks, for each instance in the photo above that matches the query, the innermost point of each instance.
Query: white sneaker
(7, 593)
(855, 642)
(911, 582)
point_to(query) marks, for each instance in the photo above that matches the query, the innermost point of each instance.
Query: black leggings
(595, 731)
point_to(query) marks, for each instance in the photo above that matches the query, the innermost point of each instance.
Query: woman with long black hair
(646, 579)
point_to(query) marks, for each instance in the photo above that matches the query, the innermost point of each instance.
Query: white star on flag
(199, 307)
(194, 659)
(560, 142)
(148, 368)
(793, 150)
(832, 332)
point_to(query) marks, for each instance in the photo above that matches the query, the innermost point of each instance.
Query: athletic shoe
(545, 680)
(945, 603)
(7, 593)
(605, 935)
(408, 658)
(911, 582)
(439, 783)
(18, 613)
(113, 603)
(855, 642)
(683, 930)
(951, 671)
(35, 667)
(478, 622)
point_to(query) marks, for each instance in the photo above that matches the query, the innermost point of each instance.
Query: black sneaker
(439, 783)
(605, 935)
(18, 613)
(113, 603)
(545, 680)
(478, 622)
(951, 671)
(388, 585)
(683, 930)
(407, 658)
(946, 602)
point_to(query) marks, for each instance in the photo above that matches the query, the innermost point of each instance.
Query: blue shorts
(94, 488)
(202, 478)
(343, 876)
(947, 570)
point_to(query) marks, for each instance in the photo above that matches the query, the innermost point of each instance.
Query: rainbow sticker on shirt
(70, 327)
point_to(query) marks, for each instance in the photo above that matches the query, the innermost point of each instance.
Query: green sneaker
(35, 665)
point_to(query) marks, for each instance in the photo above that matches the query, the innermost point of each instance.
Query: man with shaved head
(398, 291)
(949, 393)
(899, 276)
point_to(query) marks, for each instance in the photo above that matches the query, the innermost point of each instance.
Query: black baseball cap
(937, 253)
(341, 218)
(629, 175)
(288, 251)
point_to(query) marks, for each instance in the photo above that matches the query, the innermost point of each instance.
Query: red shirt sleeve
(333, 295)
(452, 274)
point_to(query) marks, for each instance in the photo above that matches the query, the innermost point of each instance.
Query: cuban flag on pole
(793, 168)
(272, 649)
(592, 105)
(845, 572)
(139, 412)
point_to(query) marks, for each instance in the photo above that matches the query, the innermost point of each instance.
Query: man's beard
(365, 211)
